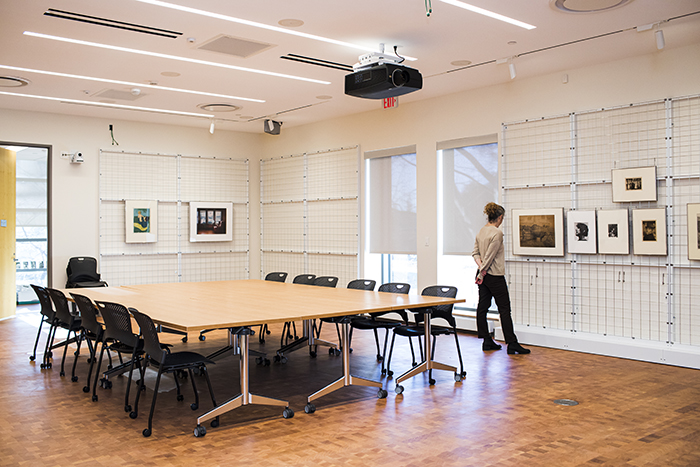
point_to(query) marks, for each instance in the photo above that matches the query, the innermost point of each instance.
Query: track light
(211, 128)
(660, 42)
(511, 68)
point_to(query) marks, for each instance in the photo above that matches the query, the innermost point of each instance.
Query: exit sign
(391, 102)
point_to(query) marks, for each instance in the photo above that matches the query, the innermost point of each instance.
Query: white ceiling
(447, 35)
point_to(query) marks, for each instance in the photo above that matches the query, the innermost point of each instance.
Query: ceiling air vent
(118, 95)
(235, 46)
(12, 82)
(219, 107)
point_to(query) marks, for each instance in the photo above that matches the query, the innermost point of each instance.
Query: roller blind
(469, 181)
(392, 203)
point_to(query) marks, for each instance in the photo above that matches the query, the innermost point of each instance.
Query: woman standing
(489, 255)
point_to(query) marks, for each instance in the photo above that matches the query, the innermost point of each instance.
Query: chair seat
(74, 327)
(186, 359)
(368, 323)
(338, 319)
(82, 285)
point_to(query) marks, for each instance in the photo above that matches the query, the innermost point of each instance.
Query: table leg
(426, 365)
(307, 339)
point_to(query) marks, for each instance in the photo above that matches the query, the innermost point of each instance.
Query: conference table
(240, 304)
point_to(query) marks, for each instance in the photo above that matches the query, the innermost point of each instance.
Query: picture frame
(141, 221)
(581, 232)
(613, 232)
(693, 231)
(649, 231)
(538, 232)
(634, 184)
(211, 222)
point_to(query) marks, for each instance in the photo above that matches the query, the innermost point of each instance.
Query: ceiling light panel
(490, 14)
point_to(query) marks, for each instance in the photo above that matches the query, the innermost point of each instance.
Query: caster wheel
(276, 358)
(381, 394)
(431, 381)
(202, 337)
(146, 433)
(266, 362)
(331, 351)
(214, 423)
(196, 371)
(49, 365)
(399, 389)
(194, 406)
(350, 350)
(108, 385)
(312, 354)
(390, 373)
(76, 353)
(133, 415)
(42, 366)
(288, 413)
(109, 367)
(309, 408)
(32, 358)
(337, 352)
(180, 398)
(86, 388)
(379, 358)
(464, 374)
(184, 339)
(74, 379)
(258, 360)
(268, 332)
(383, 371)
(199, 431)
(127, 408)
(50, 354)
(62, 374)
(458, 377)
(94, 398)
(284, 359)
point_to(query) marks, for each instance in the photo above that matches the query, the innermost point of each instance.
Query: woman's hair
(493, 211)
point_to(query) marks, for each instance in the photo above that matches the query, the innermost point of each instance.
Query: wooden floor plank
(630, 413)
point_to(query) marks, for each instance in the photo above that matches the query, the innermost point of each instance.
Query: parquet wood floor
(630, 413)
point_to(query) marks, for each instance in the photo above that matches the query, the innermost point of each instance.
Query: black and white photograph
(613, 228)
(538, 232)
(581, 232)
(649, 231)
(694, 231)
(634, 184)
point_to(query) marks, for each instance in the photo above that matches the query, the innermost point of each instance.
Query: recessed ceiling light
(108, 104)
(127, 83)
(12, 82)
(490, 14)
(171, 57)
(170, 74)
(219, 107)
(586, 6)
(261, 25)
(291, 23)
(512, 42)
(324, 97)
(461, 63)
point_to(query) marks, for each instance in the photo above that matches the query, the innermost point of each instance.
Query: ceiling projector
(378, 76)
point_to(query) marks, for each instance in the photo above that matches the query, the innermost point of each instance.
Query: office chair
(68, 321)
(92, 330)
(372, 323)
(360, 284)
(48, 315)
(273, 277)
(443, 312)
(289, 326)
(169, 362)
(82, 272)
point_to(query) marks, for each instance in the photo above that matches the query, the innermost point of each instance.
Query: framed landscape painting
(636, 184)
(649, 231)
(581, 232)
(694, 231)
(141, 220)
(613, 232)
(538, 232)
(211, 222)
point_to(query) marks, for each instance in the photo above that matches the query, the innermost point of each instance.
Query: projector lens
(399, 77)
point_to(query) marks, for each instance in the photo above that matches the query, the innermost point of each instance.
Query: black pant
(494, 287)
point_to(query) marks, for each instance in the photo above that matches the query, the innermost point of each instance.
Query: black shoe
(490, 345)
(517, 348)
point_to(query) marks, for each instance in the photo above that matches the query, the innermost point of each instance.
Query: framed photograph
(581, 232)
(636, 184)
(538, 232)
(694, 231)
(211, 222)
(649, 230)
(613, 232)
(141, 221)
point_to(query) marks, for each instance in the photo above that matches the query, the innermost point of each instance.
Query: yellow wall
(8, 160)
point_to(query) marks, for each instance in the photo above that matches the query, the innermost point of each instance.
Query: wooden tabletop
(194, 306)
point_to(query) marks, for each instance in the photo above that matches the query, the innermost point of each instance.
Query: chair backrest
(440, 311)
(45, 302)
(362, 284)
(276, 277)
(82, 269)
(149, 334)
(326, 281)
(60, 304)
(117, 323)
(394, 287)
(304, 279)
(88, 313)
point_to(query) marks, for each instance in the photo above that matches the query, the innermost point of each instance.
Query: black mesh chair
(289, 330)
(274, 277)
(331, 281)
(169, 362)
(48, 315)
(68, 321)
(92, 331)
(443, 312)
(82, 272)
(373, 321)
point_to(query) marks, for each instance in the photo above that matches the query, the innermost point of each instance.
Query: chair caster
(127, 408)
(331, 351)
(184, 339)
(50, 354)
(199, 431)
(62, 374)
(382, 393)
(215, 423)
(379, 358)
(194, 406)
(49, 365)
(383, 371)
(86, 388)
(312, 354)
(42, 366)
(288, 413)
(431, 381)
(460, 376)
(399, 389)
(146, 433)
(180, 398)
(390, 373)
(266, 362)
(133, 415)
(94, 398)
(74, 379)
(202, 337)
(32, 358)
(309, 408)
